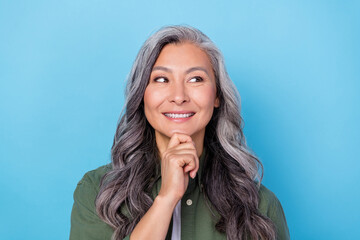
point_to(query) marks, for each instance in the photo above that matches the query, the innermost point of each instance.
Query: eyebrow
(165, 69)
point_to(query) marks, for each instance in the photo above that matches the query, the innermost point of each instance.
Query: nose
(178, 93)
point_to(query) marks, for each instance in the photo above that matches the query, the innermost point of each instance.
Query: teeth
(183, 115)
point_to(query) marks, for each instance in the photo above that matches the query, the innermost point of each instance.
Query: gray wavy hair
(231, 176)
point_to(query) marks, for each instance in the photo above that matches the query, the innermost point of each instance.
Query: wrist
(166, 201)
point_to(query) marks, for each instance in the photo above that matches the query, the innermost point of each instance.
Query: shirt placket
(188, 211)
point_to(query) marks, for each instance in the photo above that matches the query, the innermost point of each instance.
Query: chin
(179, 131)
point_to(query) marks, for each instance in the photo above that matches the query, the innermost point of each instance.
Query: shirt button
(188, 202)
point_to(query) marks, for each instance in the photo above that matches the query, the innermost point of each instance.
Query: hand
(178, 161)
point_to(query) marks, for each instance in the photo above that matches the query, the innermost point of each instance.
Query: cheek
(147, 102)
(152, 99)
(206, 97)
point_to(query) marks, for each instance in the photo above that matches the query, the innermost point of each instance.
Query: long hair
(231, 176)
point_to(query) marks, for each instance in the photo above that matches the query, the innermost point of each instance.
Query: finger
(191, 166)
(181, 152)
(187, 145)
(178, 138)
(176, 153)
(193, 172)
(184, 160)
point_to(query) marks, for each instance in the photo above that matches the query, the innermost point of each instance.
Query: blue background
(63, 66)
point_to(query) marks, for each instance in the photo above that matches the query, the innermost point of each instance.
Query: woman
(180, 166)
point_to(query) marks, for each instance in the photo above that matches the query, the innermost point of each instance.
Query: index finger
(179, 138)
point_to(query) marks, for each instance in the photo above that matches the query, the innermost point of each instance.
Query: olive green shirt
(197, 219)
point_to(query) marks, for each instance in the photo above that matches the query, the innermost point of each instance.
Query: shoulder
(270, 206)
(85, 223)
(266, 199)
(94, 177)
(88, 187)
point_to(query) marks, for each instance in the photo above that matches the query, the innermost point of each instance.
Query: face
(181, 94)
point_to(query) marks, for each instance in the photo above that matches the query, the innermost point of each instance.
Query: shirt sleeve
(85, 223)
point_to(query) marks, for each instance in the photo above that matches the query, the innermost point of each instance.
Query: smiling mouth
(179, 115)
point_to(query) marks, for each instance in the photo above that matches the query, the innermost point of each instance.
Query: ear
(217, 102)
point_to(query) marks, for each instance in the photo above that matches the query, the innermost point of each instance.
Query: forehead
(183, 55)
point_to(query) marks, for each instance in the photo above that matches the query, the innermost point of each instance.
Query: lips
(179, 114)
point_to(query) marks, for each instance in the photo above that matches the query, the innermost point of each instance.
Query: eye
(161, 79)
(196, 79)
